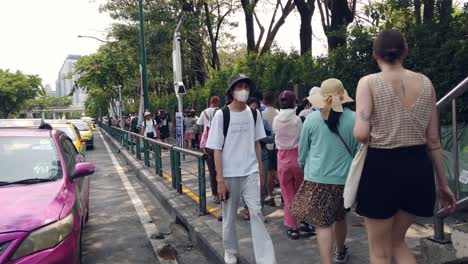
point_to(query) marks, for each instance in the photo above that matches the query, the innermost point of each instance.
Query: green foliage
(16, 89)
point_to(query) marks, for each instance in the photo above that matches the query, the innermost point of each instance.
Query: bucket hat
(332, 96)
(240, 77)
(147, 114)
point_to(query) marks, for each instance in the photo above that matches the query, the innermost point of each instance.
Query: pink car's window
(24, 158)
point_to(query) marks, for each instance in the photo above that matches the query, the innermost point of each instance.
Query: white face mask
(241, 96)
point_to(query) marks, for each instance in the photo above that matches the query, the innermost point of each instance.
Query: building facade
(66, 82)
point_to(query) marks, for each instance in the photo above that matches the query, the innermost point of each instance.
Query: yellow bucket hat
(332, 96)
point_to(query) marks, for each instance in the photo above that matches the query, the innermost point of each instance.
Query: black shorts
(272, 159)
(396, 179)
(163, 135)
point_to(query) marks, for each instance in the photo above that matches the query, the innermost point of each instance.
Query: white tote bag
(354, 176)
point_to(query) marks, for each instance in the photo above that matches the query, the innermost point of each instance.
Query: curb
(180, 207)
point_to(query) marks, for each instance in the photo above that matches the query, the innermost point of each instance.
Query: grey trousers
(248, 189)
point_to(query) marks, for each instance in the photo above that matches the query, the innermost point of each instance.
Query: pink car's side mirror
(84, 169)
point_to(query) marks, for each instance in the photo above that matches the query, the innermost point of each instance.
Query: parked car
(44, 196)
(86, 132)
(72, 131)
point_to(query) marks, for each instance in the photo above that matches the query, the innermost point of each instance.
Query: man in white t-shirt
(205, 120)
(238, 158)
(149, 126)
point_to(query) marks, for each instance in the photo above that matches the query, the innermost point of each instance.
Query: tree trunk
(215, 64)
(273, 30)
(417, 11)
(248, 8)
(428, 11)
(341, 17)
(306, 10)
(445, 11)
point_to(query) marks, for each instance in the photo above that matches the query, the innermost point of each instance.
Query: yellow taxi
(91, 125)
(72, 132)
(86, 132)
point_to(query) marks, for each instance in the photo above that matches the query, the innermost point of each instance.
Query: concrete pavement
(207, 229)
(114, 232)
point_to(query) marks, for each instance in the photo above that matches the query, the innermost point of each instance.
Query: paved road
(116, 231)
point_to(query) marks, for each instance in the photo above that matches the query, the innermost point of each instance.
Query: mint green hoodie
(321, 152)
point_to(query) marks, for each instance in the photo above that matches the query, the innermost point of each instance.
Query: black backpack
(227, 119)
(134, 123)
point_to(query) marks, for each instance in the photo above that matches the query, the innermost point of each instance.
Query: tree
(216, 12)
(306, 10)
(336, 15)
(249, 11)
(249, 8)
(16, 89)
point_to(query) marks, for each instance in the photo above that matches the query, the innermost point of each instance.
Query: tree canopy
(435, 30)
(16, 89)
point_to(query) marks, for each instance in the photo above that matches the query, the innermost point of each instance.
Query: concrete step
(453, 252)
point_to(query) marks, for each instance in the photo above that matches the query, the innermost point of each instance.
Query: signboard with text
(179, 129)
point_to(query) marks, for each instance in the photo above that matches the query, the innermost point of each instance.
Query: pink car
(43, 197)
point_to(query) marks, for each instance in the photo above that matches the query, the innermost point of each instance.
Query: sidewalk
(287, 250)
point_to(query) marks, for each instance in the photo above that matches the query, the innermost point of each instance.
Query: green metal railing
(133, 143)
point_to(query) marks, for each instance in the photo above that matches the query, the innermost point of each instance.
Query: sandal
(216, 199)
(306, 230)
(293, 234)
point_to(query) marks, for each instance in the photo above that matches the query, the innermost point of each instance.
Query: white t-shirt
(203, 120)
(269, 114)
(149, 126)
(239, 157)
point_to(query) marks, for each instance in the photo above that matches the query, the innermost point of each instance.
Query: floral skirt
(319, 204)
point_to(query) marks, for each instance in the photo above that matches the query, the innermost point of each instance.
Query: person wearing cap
(287, 129)
(307, 105)
(238, 158)
(149, 126)
(326, 149)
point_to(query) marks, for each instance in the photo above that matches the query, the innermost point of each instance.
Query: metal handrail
(126, 139)
(453, 94)
(441, 214)
(461, 205)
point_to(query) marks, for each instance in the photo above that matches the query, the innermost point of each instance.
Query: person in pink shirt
(287, 129)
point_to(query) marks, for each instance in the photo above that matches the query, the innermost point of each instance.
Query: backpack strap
(254, 113)
(226, 120)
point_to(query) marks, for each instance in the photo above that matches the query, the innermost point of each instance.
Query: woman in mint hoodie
(326, 150)
(287, 129)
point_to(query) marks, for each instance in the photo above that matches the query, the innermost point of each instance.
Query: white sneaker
(229, 258)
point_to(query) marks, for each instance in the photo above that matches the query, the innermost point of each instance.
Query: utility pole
(179, 87)
(122, 121)
(143, 56)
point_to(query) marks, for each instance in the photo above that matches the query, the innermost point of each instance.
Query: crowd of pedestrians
(307, 149)
(309, 146)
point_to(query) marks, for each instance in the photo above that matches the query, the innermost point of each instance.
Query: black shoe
(306, 230)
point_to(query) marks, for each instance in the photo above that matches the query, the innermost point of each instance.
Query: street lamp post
(122, 124)
(143, 56)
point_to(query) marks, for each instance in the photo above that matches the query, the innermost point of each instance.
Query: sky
(37, 35)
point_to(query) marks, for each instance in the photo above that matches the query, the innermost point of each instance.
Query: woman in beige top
(397, 115)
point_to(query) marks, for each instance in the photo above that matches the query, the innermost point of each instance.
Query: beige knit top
(393, 125)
